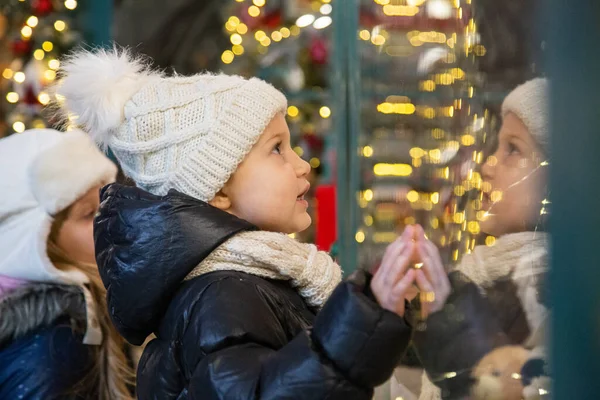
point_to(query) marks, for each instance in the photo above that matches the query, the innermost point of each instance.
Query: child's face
(514, 171)
(268, 187)
(76, 236)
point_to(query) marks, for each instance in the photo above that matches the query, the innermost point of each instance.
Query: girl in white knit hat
(487, 337)
(56, 339)
(198, 252)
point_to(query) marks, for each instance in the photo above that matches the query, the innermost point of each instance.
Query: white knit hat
(42, 172)
(185, 133)
(530, 103)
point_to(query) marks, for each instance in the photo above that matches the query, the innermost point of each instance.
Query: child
(509, 274)
(199, 255)
(56, 339)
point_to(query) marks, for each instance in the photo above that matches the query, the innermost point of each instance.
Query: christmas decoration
(39, 32)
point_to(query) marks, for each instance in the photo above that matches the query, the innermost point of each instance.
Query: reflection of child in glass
(198, 254)
(496, 291)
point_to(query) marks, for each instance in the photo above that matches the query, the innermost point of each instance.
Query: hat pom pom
(95, 86)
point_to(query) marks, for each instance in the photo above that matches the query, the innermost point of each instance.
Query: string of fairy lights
(459, 227)
(42, 33)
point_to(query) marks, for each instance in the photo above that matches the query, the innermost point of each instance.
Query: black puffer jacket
(230, 335)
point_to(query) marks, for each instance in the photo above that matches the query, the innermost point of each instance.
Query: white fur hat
(184, 133)
(43, 172)
(530, 103)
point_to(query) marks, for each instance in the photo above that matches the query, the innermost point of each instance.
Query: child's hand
(431, 279)
(392, 283)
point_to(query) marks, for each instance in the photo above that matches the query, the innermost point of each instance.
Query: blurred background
(395, 103)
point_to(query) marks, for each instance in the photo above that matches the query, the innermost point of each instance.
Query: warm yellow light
(315, 162)
(227, 57)
(229, 26)
(435, 155)
(360, 236)
(427, 86)
(404, 11)
(19, 77)
(71, 4)
(364, 34)
(258, 3)
(265, 41)
(295, 30)
(39, 54)
(12, 97)
(412, 196)
(19, 126)
(496, 196)
(260, 35)
(367, 151)
(26, 31)
(435, 197)
(254, 11)
(368, 195)
(368, 220)
(382, 2)
(7, 73)
(32, 21)
(38, 124)
(298, 150)
(490, 241)
(236, 39)
(458, 218)
(473, 227)
(233, 20)
(293, 111)
(285, 32)
(60, 25)
(44, 98)
(276, 36)
(325, 112)
(459, 190)
(378, 40)
(467, 140)
(396, 108)
(54, 64)
(50, 75)
(242, 29)
(416, 152)
(238, 49)
(384, 169)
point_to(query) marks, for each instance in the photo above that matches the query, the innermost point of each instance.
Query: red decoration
(21, 47)
(326, 228)
(42, 7)
(318, 51)
(30, 98)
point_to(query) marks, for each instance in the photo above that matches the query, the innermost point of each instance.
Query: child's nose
(487, 171)
(302, 167)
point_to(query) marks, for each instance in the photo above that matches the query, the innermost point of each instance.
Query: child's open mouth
(300, 198)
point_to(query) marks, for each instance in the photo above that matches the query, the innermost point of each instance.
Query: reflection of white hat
(529, 102)
(42, 172)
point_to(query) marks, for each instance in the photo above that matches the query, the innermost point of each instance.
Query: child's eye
(277, 148)
(512, 149)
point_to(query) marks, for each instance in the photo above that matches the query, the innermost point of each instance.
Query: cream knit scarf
(522, 257)
(276, 256)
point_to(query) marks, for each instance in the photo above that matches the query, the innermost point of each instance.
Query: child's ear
(221, 201)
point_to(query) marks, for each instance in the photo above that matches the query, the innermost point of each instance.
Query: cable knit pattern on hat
(184, 133)
(276, 256)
